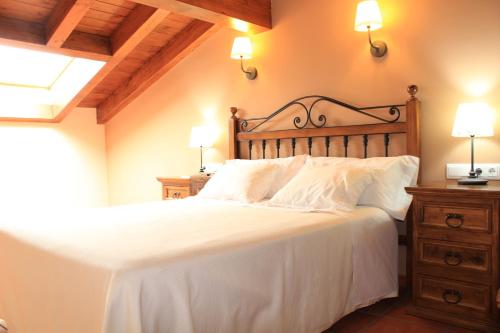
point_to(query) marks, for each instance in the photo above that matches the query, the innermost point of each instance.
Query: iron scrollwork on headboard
(315, 129)
(321, 121)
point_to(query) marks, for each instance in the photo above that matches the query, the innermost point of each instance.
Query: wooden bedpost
(233, 131)
(412, 148)
(413, 123)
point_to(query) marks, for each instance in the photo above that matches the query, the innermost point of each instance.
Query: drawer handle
(453, 216)
(176, 195)
(478, 260)
(453, 258)
(452, 296)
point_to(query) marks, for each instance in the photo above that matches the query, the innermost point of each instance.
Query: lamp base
(472, 181)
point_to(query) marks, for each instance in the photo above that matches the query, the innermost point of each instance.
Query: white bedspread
(192, 266)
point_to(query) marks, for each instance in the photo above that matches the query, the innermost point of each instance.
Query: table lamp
(473, 120)
(202, 137)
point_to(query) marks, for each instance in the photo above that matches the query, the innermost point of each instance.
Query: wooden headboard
(249, 132)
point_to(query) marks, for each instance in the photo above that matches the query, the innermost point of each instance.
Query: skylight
(30, 68)
(36, 84)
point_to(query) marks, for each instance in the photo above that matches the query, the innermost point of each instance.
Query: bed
(186, 266)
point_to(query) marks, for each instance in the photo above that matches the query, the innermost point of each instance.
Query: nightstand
(182, 187)
(455, 254)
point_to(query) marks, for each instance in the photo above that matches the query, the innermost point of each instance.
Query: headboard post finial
(234, 110)
(412, 90)
(233, 132)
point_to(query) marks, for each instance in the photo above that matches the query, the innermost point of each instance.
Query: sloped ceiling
(140, 40)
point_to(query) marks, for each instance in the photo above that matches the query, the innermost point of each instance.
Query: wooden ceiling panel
(120, 3)
(104, 17)
(157, 39)
(134, 28)
(110, 84)
(91, 101)
(96, 26)
(111, 9)
(31, 35)
(149, 47)
(256, 13)
(29, 10)
(114, 18)
(173, 24)
(63, 20)
(165, 31)
(174, 51)
(120, 74)
(41, 3)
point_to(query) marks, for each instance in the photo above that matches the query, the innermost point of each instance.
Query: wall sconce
(368, 18)
(242, 49)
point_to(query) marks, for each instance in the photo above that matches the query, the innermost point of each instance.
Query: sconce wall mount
(250, 72)
(378, 48)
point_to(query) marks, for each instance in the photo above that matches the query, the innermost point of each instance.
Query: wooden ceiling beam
(31, 35)
(175, 50)
(139, 24)
(134, 28)
(256, 13)
(85, 45)
(63, 20)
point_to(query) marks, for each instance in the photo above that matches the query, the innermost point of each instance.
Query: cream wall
(450, 48)
(53, 165)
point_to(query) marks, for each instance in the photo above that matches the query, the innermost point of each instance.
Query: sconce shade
(202, 136)
(368, 15)
(473, 119)
(242, 48)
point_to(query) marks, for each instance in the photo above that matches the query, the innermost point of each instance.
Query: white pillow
(324, 187)
(246, 183)
(388, 188)
(288, 167)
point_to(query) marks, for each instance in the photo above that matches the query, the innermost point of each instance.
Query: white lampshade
(202, 136)
(368, 15)
(242, 48)
(473, 119)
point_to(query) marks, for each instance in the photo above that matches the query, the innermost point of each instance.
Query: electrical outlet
(492, 172)
(459, 170)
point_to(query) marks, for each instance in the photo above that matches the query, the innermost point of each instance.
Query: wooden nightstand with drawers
(182, 187)
(455, 254)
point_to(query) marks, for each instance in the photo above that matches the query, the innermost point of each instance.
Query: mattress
(192, 265)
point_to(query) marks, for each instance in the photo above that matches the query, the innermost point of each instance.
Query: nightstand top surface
(454, 189)
(183, 178)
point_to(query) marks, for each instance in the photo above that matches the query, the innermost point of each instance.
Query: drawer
(456, 217)
(175, 192)
(454, 256)
(470, 300)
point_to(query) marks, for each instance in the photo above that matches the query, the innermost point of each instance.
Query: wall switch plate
(459, 170)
